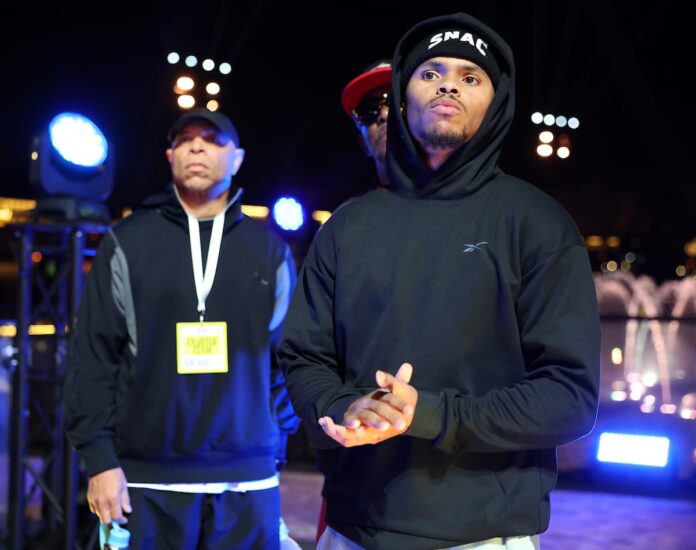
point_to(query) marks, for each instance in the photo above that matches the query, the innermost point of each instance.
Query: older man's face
(203, 159)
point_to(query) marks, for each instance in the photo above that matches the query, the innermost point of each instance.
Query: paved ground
(580, 520)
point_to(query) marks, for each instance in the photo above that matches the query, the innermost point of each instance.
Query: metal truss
(41, 461)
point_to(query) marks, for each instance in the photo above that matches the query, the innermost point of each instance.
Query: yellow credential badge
(201, 348)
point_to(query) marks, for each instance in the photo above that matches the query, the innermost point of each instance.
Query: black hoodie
(483, 283)
(125, 403)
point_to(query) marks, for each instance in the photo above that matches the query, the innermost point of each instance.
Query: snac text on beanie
(452, 43)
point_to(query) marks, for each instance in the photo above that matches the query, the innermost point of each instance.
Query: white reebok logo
(474, 247)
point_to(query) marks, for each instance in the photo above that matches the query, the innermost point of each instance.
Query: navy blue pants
(166, 520)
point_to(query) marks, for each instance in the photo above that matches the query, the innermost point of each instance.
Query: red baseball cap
(375, 76)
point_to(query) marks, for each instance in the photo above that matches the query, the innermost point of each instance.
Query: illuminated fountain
(644, 336)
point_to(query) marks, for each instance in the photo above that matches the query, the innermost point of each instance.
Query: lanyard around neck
(204, 282)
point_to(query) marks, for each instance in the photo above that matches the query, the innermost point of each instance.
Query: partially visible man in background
(366, 100)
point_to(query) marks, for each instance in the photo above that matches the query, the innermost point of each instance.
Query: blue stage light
(638, 450)
(71, 169)
(288, 214)
(78, 140)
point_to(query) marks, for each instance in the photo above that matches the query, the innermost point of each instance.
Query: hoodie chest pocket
(246, 294)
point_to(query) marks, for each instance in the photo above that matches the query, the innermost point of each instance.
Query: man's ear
(169, 153)
(237, 158)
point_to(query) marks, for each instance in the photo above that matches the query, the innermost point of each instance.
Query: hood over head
(474, 163)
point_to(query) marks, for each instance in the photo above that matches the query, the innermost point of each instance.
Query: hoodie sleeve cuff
(427, 420)
(99, 456)
(339, 407)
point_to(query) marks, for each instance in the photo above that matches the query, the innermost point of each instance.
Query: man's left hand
(379, 415)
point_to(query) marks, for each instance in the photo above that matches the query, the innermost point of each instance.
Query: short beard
(439, 140)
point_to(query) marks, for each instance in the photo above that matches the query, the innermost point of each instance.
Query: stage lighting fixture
(639, 450)
(288, 214)
(71, 169)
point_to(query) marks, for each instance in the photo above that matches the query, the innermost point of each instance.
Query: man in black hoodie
(444, 336)
(173, 397)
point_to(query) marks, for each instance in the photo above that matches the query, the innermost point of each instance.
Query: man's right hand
(107, 496)
(379, 415)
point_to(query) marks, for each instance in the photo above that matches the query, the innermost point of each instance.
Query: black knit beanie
(452, 43)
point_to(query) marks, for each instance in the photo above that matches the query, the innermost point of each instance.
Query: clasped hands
(381, 414)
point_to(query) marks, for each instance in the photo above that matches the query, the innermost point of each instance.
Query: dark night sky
(619, 66)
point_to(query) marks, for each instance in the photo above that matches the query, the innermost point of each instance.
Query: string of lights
(188, 88)
(549, 142)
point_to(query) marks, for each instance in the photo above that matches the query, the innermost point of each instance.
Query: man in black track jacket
(443, 338)
(173, 397)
